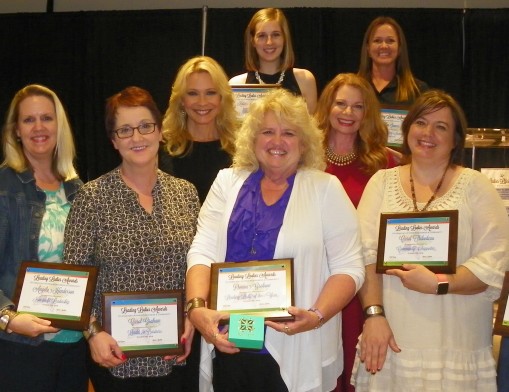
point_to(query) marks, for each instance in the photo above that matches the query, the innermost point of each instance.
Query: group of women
(284, 183)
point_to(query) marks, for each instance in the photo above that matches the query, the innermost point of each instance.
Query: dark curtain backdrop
(88, 56)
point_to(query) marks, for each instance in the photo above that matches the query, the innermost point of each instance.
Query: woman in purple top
(276, 202)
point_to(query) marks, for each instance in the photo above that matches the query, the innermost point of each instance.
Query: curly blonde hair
(291, 110)
(175, 133)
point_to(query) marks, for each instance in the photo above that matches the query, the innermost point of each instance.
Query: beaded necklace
(339, 160)
(414, 199)
(279, 81)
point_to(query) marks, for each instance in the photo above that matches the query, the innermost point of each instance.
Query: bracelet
(374, 310)
(93, 329)
(319, 315)
(194, 303)
(6, 316)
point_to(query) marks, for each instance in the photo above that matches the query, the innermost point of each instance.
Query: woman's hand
(376, 337)
(207, 322)
(105, 350)
(186, 339)
(30, 325)
(416, 277)
(305, 320)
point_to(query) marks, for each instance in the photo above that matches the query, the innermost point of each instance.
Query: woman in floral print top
(136, 224)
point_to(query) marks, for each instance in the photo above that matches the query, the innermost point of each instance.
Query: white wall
(14, 6)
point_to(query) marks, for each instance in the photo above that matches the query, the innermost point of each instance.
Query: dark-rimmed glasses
(127, 131)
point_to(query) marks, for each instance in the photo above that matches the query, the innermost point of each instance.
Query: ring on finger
(215, 335)
(287, 329)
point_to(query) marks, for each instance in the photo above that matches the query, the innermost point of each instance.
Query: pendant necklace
(279, 81)
(339, 160)
(432, 196)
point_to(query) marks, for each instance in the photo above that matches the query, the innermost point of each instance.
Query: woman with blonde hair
(38, 182)
(355, 136)
(200, 124)
(269, 56)
(385, 64)
(276, 202)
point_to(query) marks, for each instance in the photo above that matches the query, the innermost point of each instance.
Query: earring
(18, 139)
(183, 114)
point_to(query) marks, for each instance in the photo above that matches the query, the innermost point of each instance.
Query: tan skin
(384, 51)
(139, 172)
(278, 150)
(431, 139)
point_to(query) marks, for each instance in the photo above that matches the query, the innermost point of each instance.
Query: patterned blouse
(135, 250)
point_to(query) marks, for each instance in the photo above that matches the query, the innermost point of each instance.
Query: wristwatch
(443, 284)
(374, 310)
(194, 303)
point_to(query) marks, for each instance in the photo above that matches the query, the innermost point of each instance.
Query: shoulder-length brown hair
(252, 61)
(429, 102)
(372, 135)
(175, 133)
(407, 86)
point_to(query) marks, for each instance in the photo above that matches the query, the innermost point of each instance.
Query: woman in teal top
(37, 183)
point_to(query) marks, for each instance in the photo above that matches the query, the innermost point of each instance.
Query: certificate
(258, 288)
(427, 238)
(61, 293)
(245, 94)
(393, 118)
(145, 323)
(501, 326)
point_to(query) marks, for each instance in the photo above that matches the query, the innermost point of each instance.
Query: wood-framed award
(61, 293)
(245, 94)
(145, 323)
(257, 288)
(428, 238)
(501, 326)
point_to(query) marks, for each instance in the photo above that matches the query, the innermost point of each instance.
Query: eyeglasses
(356, 108)
(127, 131)
(264, 37)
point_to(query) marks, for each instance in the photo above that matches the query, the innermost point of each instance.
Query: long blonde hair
(64, 153)
(175, 133)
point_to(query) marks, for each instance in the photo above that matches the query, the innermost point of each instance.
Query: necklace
(279, 81)
(340, 160)
(432, 196)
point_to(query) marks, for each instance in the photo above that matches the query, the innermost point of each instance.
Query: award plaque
(145, 323)
(257, 288)
(427, 238)
(501, 326)
(393, 117)
(61, 293)
(245, 94)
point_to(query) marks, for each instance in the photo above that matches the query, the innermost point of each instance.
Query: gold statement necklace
(414, 199)
(339, 160)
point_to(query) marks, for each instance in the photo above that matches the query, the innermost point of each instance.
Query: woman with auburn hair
(269, 57)
(200, 124)
(38, 183)
(136, 224)
(355, 138)
(385, 64)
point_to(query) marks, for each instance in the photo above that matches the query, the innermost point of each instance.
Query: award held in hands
(61, 293)
(427, 238)
(257, 288)
(145, 323)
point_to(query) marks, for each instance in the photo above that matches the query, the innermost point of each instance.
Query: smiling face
(277, 147)
(269, 41)
(384, 45)
(431, 136)
(201, 100)
(37, 127)
(347, 110)
(137, 150)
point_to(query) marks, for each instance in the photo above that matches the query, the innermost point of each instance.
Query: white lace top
(445, 340)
